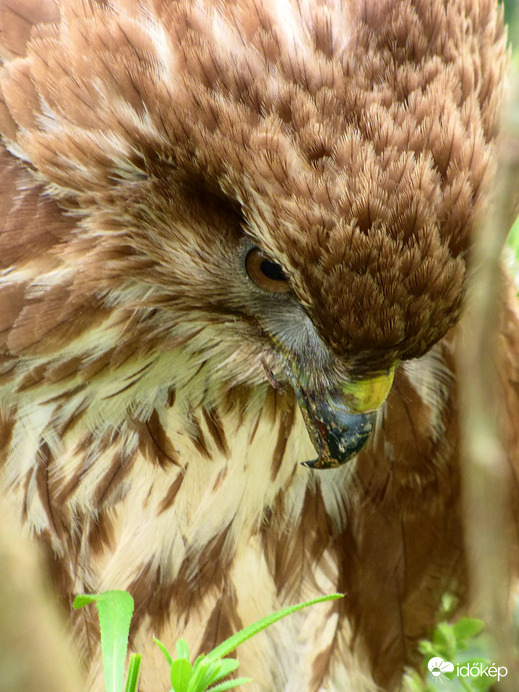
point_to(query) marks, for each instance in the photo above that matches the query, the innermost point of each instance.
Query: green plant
(513, 238)
(465, 650)
(115, 610)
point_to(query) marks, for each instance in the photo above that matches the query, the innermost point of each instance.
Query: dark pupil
(272, 271)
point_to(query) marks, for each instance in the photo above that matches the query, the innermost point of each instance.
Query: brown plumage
(225, 226)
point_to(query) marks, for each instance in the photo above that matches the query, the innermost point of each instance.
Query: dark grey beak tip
(343, 435)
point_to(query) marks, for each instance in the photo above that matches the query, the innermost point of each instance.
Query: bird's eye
(265, 273)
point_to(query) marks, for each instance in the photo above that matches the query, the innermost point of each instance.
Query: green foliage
(463, 645)
(115, 610)
(513, 257)
(513, 238)
(203, 674)
(132, 679)
(512, 19)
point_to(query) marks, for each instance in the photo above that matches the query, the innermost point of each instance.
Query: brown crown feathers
(358, 167)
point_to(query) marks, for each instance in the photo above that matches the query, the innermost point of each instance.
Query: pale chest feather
(197, 503)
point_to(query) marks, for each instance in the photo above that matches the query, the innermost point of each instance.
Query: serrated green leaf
(204, 674)
(115, 609)
(227, 666)
(213, 673)
(229, 684)
(236, 639)
(166, 653)
(180, 674)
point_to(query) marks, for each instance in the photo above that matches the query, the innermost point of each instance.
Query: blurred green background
(512, 19)
(511, 11)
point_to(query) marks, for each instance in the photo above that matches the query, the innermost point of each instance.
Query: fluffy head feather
(348, 140)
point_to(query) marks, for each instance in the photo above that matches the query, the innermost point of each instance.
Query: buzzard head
(285, 189)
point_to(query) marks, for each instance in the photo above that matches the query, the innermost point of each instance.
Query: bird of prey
(234, 248)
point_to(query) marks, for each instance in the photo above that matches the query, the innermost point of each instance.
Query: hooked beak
(340, 419)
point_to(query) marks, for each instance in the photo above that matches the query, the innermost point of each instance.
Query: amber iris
(265, 273)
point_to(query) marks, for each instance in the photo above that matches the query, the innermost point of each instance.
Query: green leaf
(182, 649)
(232, 642)
(84, 599)
(207, 671)
(180, 674)
(115, 609)
(427, 649)
(227, 666)
(513, 238)
(166, 653)
(132, 678)
(449, 603)
(229, 684)
(204, 673)
(467, 628)
(412, 682)
(445, 640)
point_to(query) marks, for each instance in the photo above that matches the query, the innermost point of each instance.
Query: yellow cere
(361, 396)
